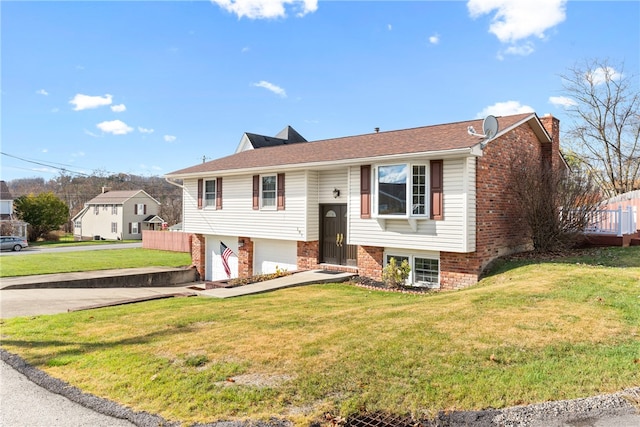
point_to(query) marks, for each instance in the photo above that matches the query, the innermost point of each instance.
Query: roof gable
(5, 194)
(440, 138)
(117, 197)
(250, 141)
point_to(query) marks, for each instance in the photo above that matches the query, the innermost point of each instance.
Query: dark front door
(334, 236)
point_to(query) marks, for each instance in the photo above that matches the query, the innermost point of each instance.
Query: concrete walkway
(48, 294)
(296, 279)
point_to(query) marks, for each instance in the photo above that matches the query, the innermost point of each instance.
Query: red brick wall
(198, 256)
(308, 255)
(500, 228)
(370, 262)
(245, 257)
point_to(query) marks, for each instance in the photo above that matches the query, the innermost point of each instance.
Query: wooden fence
(166, 240)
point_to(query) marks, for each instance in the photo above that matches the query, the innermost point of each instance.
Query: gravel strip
(548, 414)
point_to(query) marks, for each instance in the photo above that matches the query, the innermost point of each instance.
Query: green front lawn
(531, 332)
(64, 262)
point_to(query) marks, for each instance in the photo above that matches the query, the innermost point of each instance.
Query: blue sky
(151, 87)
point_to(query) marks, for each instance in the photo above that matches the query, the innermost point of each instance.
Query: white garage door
(214, 263)
(269, 254)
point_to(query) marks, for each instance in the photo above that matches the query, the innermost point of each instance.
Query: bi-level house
(437, 196)
(117, 215)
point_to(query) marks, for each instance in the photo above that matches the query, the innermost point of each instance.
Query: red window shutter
(200, 185)
(135, 209)
(129, 228)
(145, 209)
(139, 228)
(365, 191)
(436, 189)
(280, 183)
(218, 193)
(256, 191)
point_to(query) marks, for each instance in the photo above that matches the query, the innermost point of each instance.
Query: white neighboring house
(117, 215)
(9, 224)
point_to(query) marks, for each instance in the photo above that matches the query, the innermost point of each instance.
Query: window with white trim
(401, 190)
(114, 227)
(268, 191)
(96, 210)
(140, 209)
(134, 228)
(425, 272)
(114, 210)
(210, 193)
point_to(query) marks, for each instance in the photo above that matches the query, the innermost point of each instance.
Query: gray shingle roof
(436, 138)
(113, 197)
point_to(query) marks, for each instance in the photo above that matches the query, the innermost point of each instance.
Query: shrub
(395, 275)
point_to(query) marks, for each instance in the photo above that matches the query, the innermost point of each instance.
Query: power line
(48, 165)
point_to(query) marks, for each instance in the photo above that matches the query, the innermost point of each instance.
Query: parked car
(13, 243)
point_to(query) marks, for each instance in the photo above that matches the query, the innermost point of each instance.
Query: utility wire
(43, 164)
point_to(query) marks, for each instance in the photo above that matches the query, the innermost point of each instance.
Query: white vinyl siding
(333, 180)
(455, 233)
(239, 219)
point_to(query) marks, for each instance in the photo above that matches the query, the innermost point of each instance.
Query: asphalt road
(23, 403)
(43, 249)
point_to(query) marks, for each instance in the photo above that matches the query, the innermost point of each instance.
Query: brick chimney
(551, 153)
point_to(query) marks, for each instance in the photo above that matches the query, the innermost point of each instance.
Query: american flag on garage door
(225, 253)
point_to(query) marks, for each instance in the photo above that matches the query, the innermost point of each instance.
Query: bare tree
(556, 203)
(604, 103)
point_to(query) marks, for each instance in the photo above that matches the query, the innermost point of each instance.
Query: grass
(64, 262)
(530, 332)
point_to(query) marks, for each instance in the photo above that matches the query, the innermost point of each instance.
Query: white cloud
(85, 102)
(389, 27)
(94, 135)
(271, 87)
(118, 108)
(523, 49)
(169, 138)
(55, 110)
(266, 9)
(144, 130)
(245, 50)
(562, 101)
(602, 75)
(115, 127)
(434, 39)
(505, 109)
(42, 92)
(515, 21)
(45, 150)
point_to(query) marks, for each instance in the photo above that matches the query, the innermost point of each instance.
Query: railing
(619, 221)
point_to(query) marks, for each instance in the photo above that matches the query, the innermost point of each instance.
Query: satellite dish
(490, 126)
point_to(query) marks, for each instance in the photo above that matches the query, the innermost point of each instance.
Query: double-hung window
(268, 191)
(210, 193)
(401, 190)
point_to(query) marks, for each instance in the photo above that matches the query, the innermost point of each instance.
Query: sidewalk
(296, 279)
